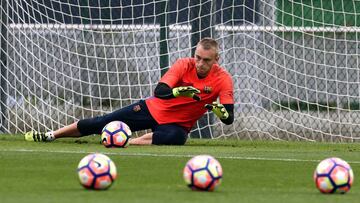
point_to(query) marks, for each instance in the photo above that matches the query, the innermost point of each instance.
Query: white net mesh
(294, 62)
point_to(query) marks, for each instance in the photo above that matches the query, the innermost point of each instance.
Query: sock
(50, 136)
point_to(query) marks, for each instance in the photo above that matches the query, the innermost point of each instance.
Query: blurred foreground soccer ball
(96, 171)
(203, 172)
(333, 175)
(116, 134)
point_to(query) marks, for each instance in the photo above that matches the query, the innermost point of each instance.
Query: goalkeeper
(189, 88)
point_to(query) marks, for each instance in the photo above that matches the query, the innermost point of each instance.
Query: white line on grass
(169, 155)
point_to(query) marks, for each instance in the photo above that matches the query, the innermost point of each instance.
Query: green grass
(253, 171)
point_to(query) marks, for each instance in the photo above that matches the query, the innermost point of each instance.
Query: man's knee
(175, 136)
(91, 125)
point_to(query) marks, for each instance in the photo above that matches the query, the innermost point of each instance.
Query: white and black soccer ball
(333, 175)
(96, 171)
(203, 172)
(116, 134)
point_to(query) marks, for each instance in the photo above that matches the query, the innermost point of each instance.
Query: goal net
(294, 63)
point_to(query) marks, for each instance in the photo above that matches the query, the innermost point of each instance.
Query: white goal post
(295, 63)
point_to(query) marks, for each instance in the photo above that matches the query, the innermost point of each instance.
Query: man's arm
(230, 109)
(163, 91)
(225, 112)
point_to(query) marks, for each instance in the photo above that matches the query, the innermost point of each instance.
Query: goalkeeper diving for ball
(188, 89)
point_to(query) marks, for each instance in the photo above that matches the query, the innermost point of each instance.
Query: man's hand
(218, 109)
(186, 91)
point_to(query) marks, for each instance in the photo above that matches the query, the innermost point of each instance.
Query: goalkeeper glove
(218, 109)
(186, 91)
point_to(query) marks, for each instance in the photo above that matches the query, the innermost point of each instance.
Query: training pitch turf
(254, 171)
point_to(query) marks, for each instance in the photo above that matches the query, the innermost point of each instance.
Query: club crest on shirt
(136, 108)
(207, 89)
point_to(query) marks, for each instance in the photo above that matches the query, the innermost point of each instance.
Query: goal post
(3, 68)
(294, 63)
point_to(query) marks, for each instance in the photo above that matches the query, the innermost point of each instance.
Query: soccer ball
(116, 134)
(333, 175)
(203, 172)
(96, 171)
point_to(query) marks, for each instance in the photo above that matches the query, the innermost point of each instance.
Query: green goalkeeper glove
(186, 91)
(218, 109)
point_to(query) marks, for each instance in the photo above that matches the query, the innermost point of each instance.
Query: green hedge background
(318, 13)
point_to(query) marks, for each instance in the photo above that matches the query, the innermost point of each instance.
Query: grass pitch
(253, 171)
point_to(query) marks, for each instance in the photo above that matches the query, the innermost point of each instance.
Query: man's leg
(66, 131)
(166, 134)
(169, 134)
(145, 139)
(136, 116)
